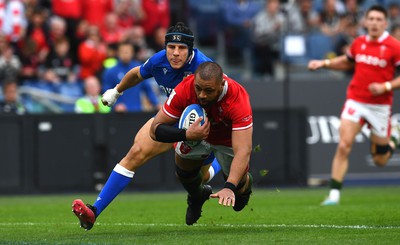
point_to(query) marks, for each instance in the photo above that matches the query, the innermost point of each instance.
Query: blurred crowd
(76, 49)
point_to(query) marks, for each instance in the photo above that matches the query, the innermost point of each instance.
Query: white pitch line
(365, 227)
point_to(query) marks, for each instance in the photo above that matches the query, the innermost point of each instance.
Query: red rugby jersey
(231, 112)
(375, 61)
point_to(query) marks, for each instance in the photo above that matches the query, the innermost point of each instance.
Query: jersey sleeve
(242, 116)
(146, 67)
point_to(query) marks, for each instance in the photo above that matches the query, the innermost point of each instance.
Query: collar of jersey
(224, 91)
(190, 58)
(384, 35)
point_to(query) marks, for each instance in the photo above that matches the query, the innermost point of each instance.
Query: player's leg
(188, 171)
(395, 133)
(382, 146)
(209, 170)
(381, 149)
(142, 150)
(347, 133)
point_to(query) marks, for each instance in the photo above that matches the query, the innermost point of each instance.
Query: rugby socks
(334, 193)
(192, 185)
(214, 169)
(119, 178)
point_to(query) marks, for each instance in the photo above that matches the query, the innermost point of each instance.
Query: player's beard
(207, 103)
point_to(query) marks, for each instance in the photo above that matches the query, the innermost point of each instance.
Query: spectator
(330, 18)
(91, 53)
(26, 51)
(395, 32)
(112, 53)
(11, 103)
(129, 13)
(91, 102)
(267, 28)
(13, 21)
(110, 31)
(393, 14)
(59, 66)
(10, 65)
(95, 11)
(38, 31)
(237, 15)
(159, 39)
(137, 38)
(71, 12)
(301, 16)
(156, 15)
(58, 28)
(131, 100)
(353, 12)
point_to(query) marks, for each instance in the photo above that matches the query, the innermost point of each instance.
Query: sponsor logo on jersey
(165, 70)
(371, 60)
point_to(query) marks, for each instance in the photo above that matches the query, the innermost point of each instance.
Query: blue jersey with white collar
(167, 78)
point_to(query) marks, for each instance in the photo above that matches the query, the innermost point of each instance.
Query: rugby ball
(189, 116)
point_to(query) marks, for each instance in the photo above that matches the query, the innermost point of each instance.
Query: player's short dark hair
(209, 70)
(180, 33)
(378, 8)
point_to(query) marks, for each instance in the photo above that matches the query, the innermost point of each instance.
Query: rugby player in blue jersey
(168, 67)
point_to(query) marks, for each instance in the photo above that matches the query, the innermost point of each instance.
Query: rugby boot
(86, 213)
(193, 211)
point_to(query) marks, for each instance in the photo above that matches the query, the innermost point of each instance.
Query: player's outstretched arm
(242, 147)
(131, 78)
(338, 63)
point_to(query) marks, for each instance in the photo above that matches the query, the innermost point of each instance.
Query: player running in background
(168, 67)
(374, 58)
(226, 133)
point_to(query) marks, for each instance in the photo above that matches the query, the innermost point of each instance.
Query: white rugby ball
(189, 116)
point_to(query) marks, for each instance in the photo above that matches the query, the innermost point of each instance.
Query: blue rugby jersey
(167, 78)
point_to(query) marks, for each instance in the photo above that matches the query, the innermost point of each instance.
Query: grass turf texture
(369, 215)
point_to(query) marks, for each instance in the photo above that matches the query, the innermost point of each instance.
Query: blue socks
(118, 180)
(214, 169)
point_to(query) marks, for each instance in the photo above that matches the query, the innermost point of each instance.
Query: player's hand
(226, 197)
(197, 132)
(315, 64)
(377, 88)
(110, 97)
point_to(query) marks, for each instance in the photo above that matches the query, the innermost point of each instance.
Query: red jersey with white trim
(231, 112)
(375, 61)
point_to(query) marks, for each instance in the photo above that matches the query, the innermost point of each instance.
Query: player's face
(177, 54)
(376, 24)
(207, 91)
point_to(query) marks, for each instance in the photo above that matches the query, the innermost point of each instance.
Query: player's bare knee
(344, 148)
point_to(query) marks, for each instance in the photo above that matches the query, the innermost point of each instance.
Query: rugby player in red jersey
(374, 58)
(227, 132)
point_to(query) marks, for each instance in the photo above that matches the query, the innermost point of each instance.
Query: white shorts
(376, 116)
(224, 154)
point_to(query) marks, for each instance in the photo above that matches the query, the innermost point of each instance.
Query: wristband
(230, 186)
(388, 86)
(327, 62)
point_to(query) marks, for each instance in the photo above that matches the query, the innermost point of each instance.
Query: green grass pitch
(368, 215)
